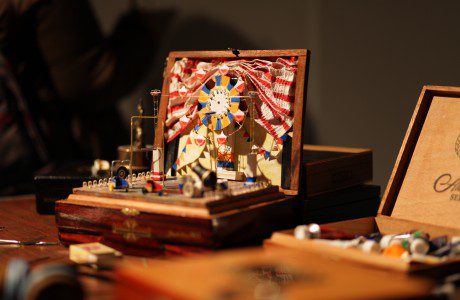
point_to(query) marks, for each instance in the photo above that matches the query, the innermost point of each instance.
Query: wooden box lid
(425, 184)
(290, 160)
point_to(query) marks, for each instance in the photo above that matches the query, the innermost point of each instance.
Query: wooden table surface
(19, 220)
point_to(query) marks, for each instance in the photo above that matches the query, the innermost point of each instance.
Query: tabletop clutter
(414, 246)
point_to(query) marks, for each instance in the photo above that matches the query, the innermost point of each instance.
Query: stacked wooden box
(336, 184)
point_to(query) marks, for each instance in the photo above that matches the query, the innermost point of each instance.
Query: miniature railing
(104, 182)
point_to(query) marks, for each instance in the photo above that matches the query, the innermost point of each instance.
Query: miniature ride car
(152, 187)
(118, 183)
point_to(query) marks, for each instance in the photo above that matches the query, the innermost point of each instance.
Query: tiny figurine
(118, 183)
(152, 187)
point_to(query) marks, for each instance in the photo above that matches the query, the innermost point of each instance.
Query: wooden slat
(299, 114)
(163, 108)
(309, 147)
(390, 225)
(242, 53)
(328, 168)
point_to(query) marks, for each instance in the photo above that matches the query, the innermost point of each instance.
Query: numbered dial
(219, 102)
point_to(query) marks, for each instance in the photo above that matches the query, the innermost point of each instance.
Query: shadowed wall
(369, 60)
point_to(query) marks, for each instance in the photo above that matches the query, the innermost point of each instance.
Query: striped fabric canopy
(273, 80)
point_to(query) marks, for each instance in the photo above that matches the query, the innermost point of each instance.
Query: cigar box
(330, 168)
(422, 193)
(143, 224)
(259, 274)
(56, 181)
(350, 203)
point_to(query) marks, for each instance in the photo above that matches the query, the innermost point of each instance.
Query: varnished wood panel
(410, 141)
(81, 220)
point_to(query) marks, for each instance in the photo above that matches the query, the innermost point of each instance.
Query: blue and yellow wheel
(218, 102)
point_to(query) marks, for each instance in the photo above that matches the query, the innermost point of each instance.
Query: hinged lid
(259, 61)
(425, 183)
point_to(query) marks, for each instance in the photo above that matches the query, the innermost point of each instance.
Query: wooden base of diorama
(136, 223)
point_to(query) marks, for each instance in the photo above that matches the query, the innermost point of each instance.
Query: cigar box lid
(206, 66)
(425, 183)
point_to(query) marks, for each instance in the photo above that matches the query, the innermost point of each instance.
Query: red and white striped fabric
(274, 82)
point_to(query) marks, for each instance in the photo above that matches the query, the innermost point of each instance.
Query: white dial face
(219, 101)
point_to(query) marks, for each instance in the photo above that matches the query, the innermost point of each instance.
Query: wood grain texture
(299, 115)
(159, 139)
(428, 192)
(303, 56)
(242, 53)
(20, 221)
(410, 141)
(327, 168)
(294, 274)
(81, 220)
(209, 204)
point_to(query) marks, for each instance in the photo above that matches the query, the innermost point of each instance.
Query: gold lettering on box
(446, 183)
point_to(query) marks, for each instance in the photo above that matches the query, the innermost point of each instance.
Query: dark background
(370, 59)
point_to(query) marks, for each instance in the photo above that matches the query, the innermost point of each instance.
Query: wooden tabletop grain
(19, 220)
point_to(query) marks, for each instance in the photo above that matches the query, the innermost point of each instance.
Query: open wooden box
(423, 192)
(139, 223)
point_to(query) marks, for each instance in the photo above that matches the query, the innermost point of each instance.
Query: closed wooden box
(423, 192)
(329, 168)
(143, 224)
(351, 203)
